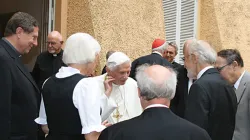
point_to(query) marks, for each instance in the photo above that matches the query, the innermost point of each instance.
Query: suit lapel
(25, 72)
(242, 87)
(19, 64)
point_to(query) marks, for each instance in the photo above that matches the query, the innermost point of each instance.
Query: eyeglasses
(220, 68)
(52, 43)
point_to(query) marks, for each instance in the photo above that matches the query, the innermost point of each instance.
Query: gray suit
(242, 125)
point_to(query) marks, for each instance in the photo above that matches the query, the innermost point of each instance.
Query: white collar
(66, 72)
(203, 70)
(237, 83)
(156, 105)
(157, 53)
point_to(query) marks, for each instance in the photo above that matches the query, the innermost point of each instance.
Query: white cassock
(124, 100)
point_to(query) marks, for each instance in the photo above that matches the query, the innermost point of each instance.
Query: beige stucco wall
(226, 24)
(129, 26)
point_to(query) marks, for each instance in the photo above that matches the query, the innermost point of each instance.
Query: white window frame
(51, 22)
(178, 25)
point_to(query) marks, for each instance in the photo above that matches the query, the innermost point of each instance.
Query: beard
(191, 74)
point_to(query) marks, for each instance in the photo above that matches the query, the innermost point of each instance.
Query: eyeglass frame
(53, 43)
(222, 67)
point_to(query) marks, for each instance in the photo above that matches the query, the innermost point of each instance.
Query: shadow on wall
(209, 29)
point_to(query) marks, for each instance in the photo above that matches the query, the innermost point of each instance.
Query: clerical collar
(57, 54)
(12, 47)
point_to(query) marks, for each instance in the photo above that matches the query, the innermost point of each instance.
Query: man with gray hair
(211, 103)
(119, 92)
(156, 86)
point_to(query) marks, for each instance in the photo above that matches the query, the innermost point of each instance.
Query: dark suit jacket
(178, 103)
(212, 105)
(176, 65)
(157, 123)
(18, 98)
(153, 58)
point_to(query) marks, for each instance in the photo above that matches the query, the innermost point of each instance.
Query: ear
(164, 53)
(107, 70)
(235, 64)
(19, 31)
(194, 58)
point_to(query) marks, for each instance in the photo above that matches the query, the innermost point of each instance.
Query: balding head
(156, 82)
(54, 42)
(55, 34)
(187, 43)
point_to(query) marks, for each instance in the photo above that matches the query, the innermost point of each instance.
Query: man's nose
(35, 43)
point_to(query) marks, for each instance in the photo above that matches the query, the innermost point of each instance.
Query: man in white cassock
(121, 93)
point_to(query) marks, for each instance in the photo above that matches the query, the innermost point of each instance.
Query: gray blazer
(242, 125)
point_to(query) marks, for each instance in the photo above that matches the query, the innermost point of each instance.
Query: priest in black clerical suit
(50, 61)
(156, 86)
(158, 48)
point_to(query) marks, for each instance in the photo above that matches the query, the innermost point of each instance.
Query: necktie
(234, 89)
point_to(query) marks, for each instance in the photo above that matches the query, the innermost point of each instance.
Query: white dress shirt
(156, 105)
(203, 71)
(88, 101)
(237, 83)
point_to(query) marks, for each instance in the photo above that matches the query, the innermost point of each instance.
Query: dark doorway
(4, 18)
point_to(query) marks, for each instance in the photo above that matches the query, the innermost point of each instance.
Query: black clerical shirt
(46, 65)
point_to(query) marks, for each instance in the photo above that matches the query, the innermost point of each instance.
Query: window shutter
(180, 22)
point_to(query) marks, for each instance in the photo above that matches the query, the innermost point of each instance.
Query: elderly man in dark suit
(178, 103)
(211, 103)
(19, 93)
(156, 86)
(231, 66)
(159, 47)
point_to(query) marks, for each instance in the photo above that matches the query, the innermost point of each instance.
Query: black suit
(153, 58)
(18, 98)
(178, 103)
(176, 65)
(212, 105)
(157, 123)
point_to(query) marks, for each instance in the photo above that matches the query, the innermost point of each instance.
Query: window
(180, 18)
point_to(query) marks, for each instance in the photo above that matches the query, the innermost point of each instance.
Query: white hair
(80, 48)
(151, 89)
(204, 51)
(116, 59)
